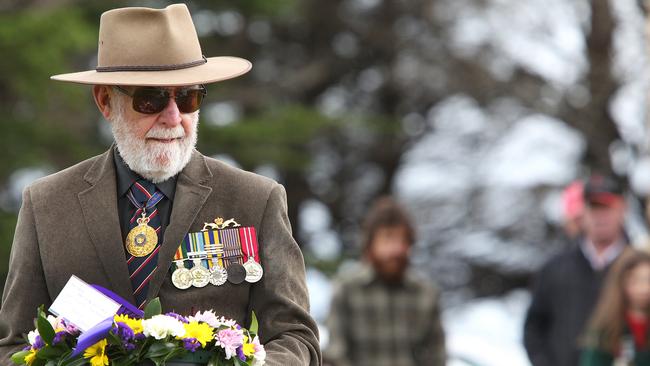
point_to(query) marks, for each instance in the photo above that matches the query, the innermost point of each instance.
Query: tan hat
(153, 47)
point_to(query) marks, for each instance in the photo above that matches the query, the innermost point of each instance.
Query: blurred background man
(383, 314)
(567, 287)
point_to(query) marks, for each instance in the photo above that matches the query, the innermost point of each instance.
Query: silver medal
(200, 274)
(181, 277)
(254, 271)
(218, 275)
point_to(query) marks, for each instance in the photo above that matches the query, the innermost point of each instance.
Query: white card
(83, 305)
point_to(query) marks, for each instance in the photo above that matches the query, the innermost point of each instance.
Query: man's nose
(171, 115)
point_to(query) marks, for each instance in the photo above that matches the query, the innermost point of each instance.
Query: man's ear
(102, 97)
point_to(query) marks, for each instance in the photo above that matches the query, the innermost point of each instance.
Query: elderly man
(567, 287)
(90, 220)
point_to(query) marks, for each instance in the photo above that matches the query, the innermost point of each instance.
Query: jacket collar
(99, 207)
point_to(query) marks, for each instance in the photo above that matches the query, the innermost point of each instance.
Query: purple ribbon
(101, 330)
(126, 307)
(92, 336)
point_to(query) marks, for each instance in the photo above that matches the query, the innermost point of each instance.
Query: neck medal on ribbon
(142, 239)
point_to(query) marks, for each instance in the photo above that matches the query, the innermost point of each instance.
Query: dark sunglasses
(150, 100)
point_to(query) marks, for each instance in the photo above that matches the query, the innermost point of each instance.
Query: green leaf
(160, 349)
(19, 357)
(77, 361)
(49, 352)
(153, 308)
(254, 325)
(44, 328)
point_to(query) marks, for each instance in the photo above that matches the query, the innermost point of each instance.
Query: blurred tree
(338, 91)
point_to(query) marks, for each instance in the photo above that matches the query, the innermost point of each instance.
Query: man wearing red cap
(567, 287)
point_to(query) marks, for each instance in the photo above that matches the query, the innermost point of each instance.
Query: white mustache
(166, 133)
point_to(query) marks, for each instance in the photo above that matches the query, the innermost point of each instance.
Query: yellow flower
(134, 324)
(97, 354)
(201, 331)
(249, 349)
(31, 356)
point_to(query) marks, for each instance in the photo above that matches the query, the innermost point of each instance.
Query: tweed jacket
(68, 225)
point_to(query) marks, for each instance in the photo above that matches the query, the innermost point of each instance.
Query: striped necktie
(143, 196)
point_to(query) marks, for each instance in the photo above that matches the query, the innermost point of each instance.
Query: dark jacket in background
(564, 295)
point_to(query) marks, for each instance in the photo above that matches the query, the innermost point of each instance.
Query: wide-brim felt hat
(153, 47)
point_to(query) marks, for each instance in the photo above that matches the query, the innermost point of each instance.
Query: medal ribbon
(181, 254)
(214, 258)
(232, 246)
(198, 248)
(151, 202)
(249, 238)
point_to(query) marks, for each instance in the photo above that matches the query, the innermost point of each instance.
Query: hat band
(186, 65)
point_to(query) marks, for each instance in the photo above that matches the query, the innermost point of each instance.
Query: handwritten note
(82, 305)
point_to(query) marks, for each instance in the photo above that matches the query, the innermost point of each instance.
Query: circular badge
(200, 276)
(254, 271)
(141, 240)
(236, 273)
(218, 275)
(182, 278)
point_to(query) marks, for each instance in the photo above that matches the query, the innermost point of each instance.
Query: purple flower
(59, 337)
(38, 343)
(124, 332)
(27, 347)
(240, 353)
(191, 344)
(178, 317)
(129, 346)
(62, 323)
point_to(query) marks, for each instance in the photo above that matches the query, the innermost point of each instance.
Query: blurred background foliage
(474, 113)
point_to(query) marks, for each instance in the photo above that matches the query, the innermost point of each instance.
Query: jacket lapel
(99, 207)
(189, 198)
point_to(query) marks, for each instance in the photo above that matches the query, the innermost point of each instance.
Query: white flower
(212, 319)
(260, 354)
(161, 326)
(53, 321)
(31, 336)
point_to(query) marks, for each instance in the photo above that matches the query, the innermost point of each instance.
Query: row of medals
(199, 276)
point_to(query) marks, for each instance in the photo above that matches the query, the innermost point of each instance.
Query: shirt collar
(367, 275)
(598, 261)
(126, 177)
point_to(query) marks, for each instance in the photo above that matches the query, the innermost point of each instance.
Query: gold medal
(142, 239)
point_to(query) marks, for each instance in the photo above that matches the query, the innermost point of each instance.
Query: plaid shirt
(375, 324)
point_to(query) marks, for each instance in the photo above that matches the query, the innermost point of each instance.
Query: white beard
(154, 161)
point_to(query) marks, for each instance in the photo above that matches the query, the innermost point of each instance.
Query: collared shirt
(374, 323)
(600, 260)
(125, 179)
